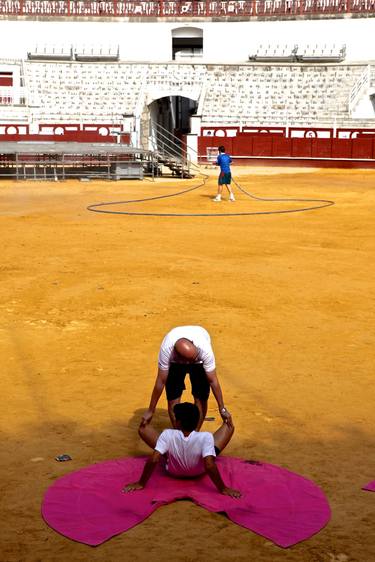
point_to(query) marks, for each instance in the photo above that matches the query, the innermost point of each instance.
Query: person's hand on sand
(132, 487)
(231, 492)
(146, 418)
(226, 417)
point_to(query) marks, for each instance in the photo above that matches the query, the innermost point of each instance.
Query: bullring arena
(282, 278)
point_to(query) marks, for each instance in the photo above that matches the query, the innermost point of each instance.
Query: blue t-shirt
(224, 160)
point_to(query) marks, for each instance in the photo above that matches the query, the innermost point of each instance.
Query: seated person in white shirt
(187, 453)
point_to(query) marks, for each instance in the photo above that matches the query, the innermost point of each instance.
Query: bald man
(186, 349)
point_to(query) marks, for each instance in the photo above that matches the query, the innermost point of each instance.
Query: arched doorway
(170, 119)
(173, 113)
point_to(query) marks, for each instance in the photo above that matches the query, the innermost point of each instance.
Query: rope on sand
(320, 204)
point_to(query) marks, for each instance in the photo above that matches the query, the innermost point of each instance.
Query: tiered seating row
(261, 94)
(81, 89)
(298, 53)
(278, 94)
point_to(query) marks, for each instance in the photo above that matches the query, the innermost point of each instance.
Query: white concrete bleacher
(175, 79)
(97, 53)
(293, 94)
(51, 52)
(103, 92)
(90, 92)
(296, 94)
(320, 52)
(270, 52)
(174, 74)
(286, 52)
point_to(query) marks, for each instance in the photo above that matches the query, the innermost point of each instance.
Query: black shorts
(175, 385)
(224, 178)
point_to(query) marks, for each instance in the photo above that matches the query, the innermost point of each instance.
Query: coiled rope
(319, 204)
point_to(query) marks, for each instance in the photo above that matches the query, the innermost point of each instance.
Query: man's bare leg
(230, 191)
(171, 405)
(219, 192)
(223, 435)
(202, 407)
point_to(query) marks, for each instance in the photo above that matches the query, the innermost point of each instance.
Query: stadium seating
(320, 53)
(51, 52)
(280, 94)
(268, 53)
(259, 94)
(82, 91)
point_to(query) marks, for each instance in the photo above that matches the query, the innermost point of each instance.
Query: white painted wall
(223, 42)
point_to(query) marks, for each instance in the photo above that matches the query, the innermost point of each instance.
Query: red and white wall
(104, 133)
(340, 148)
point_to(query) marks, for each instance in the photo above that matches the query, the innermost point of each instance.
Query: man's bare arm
(216, 389)
(148, 469)
(161, 379)
(214, 474)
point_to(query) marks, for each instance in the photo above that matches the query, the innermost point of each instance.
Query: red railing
(181, 8)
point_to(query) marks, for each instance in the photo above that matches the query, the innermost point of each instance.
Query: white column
(192, 148)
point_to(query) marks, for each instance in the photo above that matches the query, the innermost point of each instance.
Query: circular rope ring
(98, 207)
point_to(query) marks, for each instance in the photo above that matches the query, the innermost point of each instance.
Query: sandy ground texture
(288, 299)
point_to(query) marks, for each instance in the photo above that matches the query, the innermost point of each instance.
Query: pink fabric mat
(370, 486)
(89, 506)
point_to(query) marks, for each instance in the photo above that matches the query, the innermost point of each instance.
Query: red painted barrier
(59, 138)
(321, 148)
(214, 142)
(301, 147)
(362, 148)
(6, 79)
(68, 136)
(262, 145)
(342, 148)
(274, 146)
(242, 145)
(281, 146)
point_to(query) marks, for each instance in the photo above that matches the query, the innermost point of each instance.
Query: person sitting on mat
(187, 452)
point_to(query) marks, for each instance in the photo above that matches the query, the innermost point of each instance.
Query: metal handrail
(166, 141)
(360, 88)
(173, 147)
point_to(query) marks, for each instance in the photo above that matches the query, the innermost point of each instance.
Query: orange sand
(288, 300)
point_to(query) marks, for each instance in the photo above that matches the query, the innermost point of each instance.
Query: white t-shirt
(185, 454)
(196, 334)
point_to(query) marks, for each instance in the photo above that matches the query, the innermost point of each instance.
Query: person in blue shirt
(225, 177)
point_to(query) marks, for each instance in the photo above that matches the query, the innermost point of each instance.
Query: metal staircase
(170, 151)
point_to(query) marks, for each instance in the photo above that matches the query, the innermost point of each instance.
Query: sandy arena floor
(288, 300)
